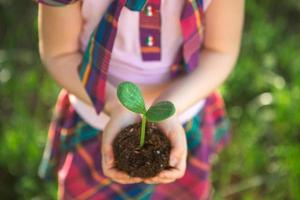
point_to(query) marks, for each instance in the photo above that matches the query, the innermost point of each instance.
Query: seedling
(131, 97)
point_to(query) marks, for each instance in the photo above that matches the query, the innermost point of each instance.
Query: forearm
(214, 68)
(63, 69)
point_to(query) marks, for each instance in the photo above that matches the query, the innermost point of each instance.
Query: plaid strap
(192, 30)
(192, 26)
(93, 71)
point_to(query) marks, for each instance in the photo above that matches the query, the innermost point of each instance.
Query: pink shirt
(126, 62)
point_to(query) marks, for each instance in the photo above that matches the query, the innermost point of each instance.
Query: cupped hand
(173, 129)
(119, 119)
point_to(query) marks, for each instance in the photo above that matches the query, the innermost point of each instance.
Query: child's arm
(224, 21)
(59, 33)
(59, 44)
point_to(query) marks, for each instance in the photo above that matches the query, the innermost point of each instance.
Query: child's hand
(119, 118)
(175, 132)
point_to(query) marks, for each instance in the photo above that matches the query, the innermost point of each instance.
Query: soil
(143, 162)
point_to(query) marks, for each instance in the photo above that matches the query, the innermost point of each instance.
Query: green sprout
(131, 97)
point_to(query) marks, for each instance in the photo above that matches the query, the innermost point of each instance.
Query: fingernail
(173, 162)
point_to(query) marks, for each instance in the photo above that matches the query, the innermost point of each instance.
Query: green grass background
(262, 97)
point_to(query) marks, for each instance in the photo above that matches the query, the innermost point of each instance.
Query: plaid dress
(73, 151)
(73, 148)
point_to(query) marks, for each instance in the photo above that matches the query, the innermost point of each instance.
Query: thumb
(175, 156)
(179, 146)
(107, 155)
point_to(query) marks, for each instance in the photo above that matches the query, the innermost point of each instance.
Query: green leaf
(160, 111)
(131, 97)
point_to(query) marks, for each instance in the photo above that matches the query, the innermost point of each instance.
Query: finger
(168, 176)
(176, 134)
(125, 182)
(116, 175)
(159, 181)
(121, 177)
(179, 148)
(174, 173)
(108, 159)
(110, 132)
(106, 148)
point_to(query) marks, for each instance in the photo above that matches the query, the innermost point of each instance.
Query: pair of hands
(120, 118)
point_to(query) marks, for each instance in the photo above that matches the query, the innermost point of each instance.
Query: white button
(149, 11)
(150, 41)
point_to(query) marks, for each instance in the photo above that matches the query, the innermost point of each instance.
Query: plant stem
(143, 130)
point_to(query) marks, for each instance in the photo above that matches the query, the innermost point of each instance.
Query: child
(164, 46)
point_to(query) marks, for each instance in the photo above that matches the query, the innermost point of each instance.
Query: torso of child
(153, 77)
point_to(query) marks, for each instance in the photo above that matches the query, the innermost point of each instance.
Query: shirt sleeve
(56, 2)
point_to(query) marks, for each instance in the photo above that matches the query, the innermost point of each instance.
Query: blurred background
(262, 97)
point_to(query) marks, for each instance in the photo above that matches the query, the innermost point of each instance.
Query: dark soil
(143, 162)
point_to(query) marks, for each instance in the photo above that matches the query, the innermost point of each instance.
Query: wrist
(115, 109)
(112, 107)
(111, 100)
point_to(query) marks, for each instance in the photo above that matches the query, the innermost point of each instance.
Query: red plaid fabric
(76, 153)
(73, 147)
